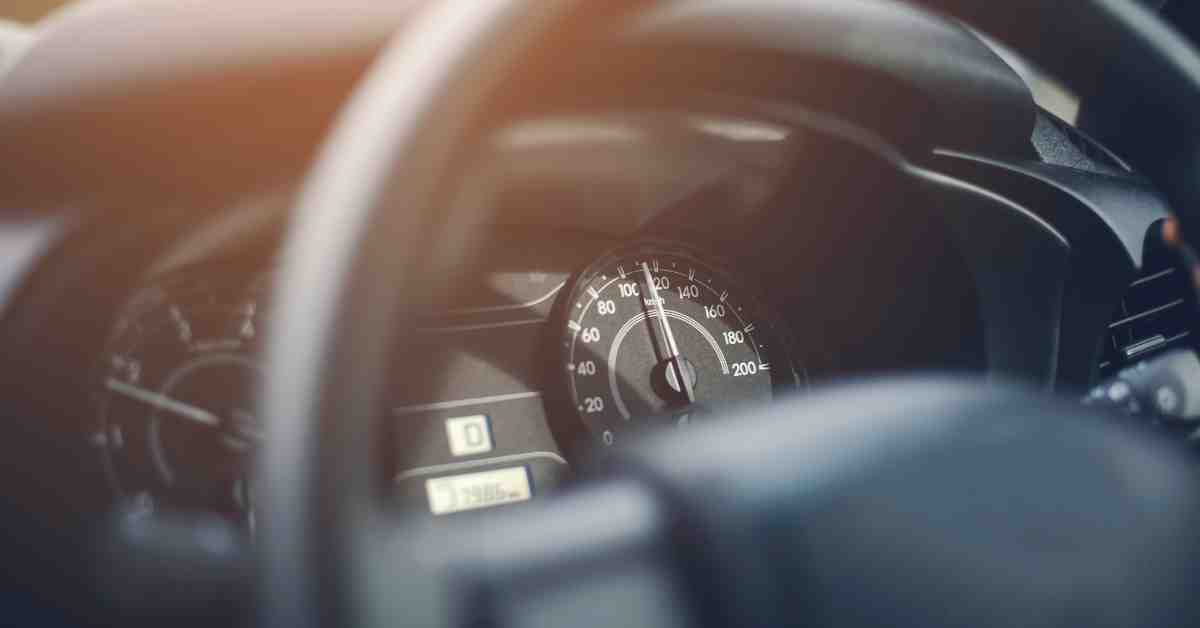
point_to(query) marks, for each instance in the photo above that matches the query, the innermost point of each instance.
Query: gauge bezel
(788, 374)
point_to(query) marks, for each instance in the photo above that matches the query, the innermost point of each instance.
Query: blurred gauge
(657, 334)
(175, 396)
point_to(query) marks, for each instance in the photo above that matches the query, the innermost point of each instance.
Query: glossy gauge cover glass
(657, 334)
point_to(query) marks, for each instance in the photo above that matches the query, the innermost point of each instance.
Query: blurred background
(1048, 93)
(28, 10)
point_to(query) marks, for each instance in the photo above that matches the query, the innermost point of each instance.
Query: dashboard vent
(1157, 313)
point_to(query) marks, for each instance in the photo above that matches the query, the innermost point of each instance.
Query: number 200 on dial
(655, 334)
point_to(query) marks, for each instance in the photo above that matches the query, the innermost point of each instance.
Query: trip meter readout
(657, 335)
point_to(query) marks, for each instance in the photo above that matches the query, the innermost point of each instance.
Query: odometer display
(654, 334)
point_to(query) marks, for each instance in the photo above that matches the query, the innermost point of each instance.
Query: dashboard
(747, 226)
(709, 284)
(650, 260)
(556, 348)
(646, 270)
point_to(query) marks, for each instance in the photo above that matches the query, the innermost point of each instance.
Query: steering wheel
(878, 506)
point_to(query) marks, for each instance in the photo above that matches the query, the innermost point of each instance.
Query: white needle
(685, 384)
(163, 402)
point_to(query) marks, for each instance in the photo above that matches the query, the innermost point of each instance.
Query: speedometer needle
(685, 384)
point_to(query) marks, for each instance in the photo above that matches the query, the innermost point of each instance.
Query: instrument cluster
(548, 351)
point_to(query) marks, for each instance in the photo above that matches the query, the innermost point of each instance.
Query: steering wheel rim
(488, 38)
(396, 146)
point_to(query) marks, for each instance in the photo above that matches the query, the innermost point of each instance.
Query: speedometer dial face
(655, 334)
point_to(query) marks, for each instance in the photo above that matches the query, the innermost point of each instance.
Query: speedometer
(656, 334)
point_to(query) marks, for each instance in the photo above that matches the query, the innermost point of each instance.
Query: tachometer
(654, 334)
(175, 397)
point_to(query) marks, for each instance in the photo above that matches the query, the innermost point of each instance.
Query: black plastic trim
(1104, 217)
(972, 97)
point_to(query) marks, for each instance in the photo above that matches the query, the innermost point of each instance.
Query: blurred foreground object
(14, 41)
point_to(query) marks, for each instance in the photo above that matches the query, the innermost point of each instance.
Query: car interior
(510, 313)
